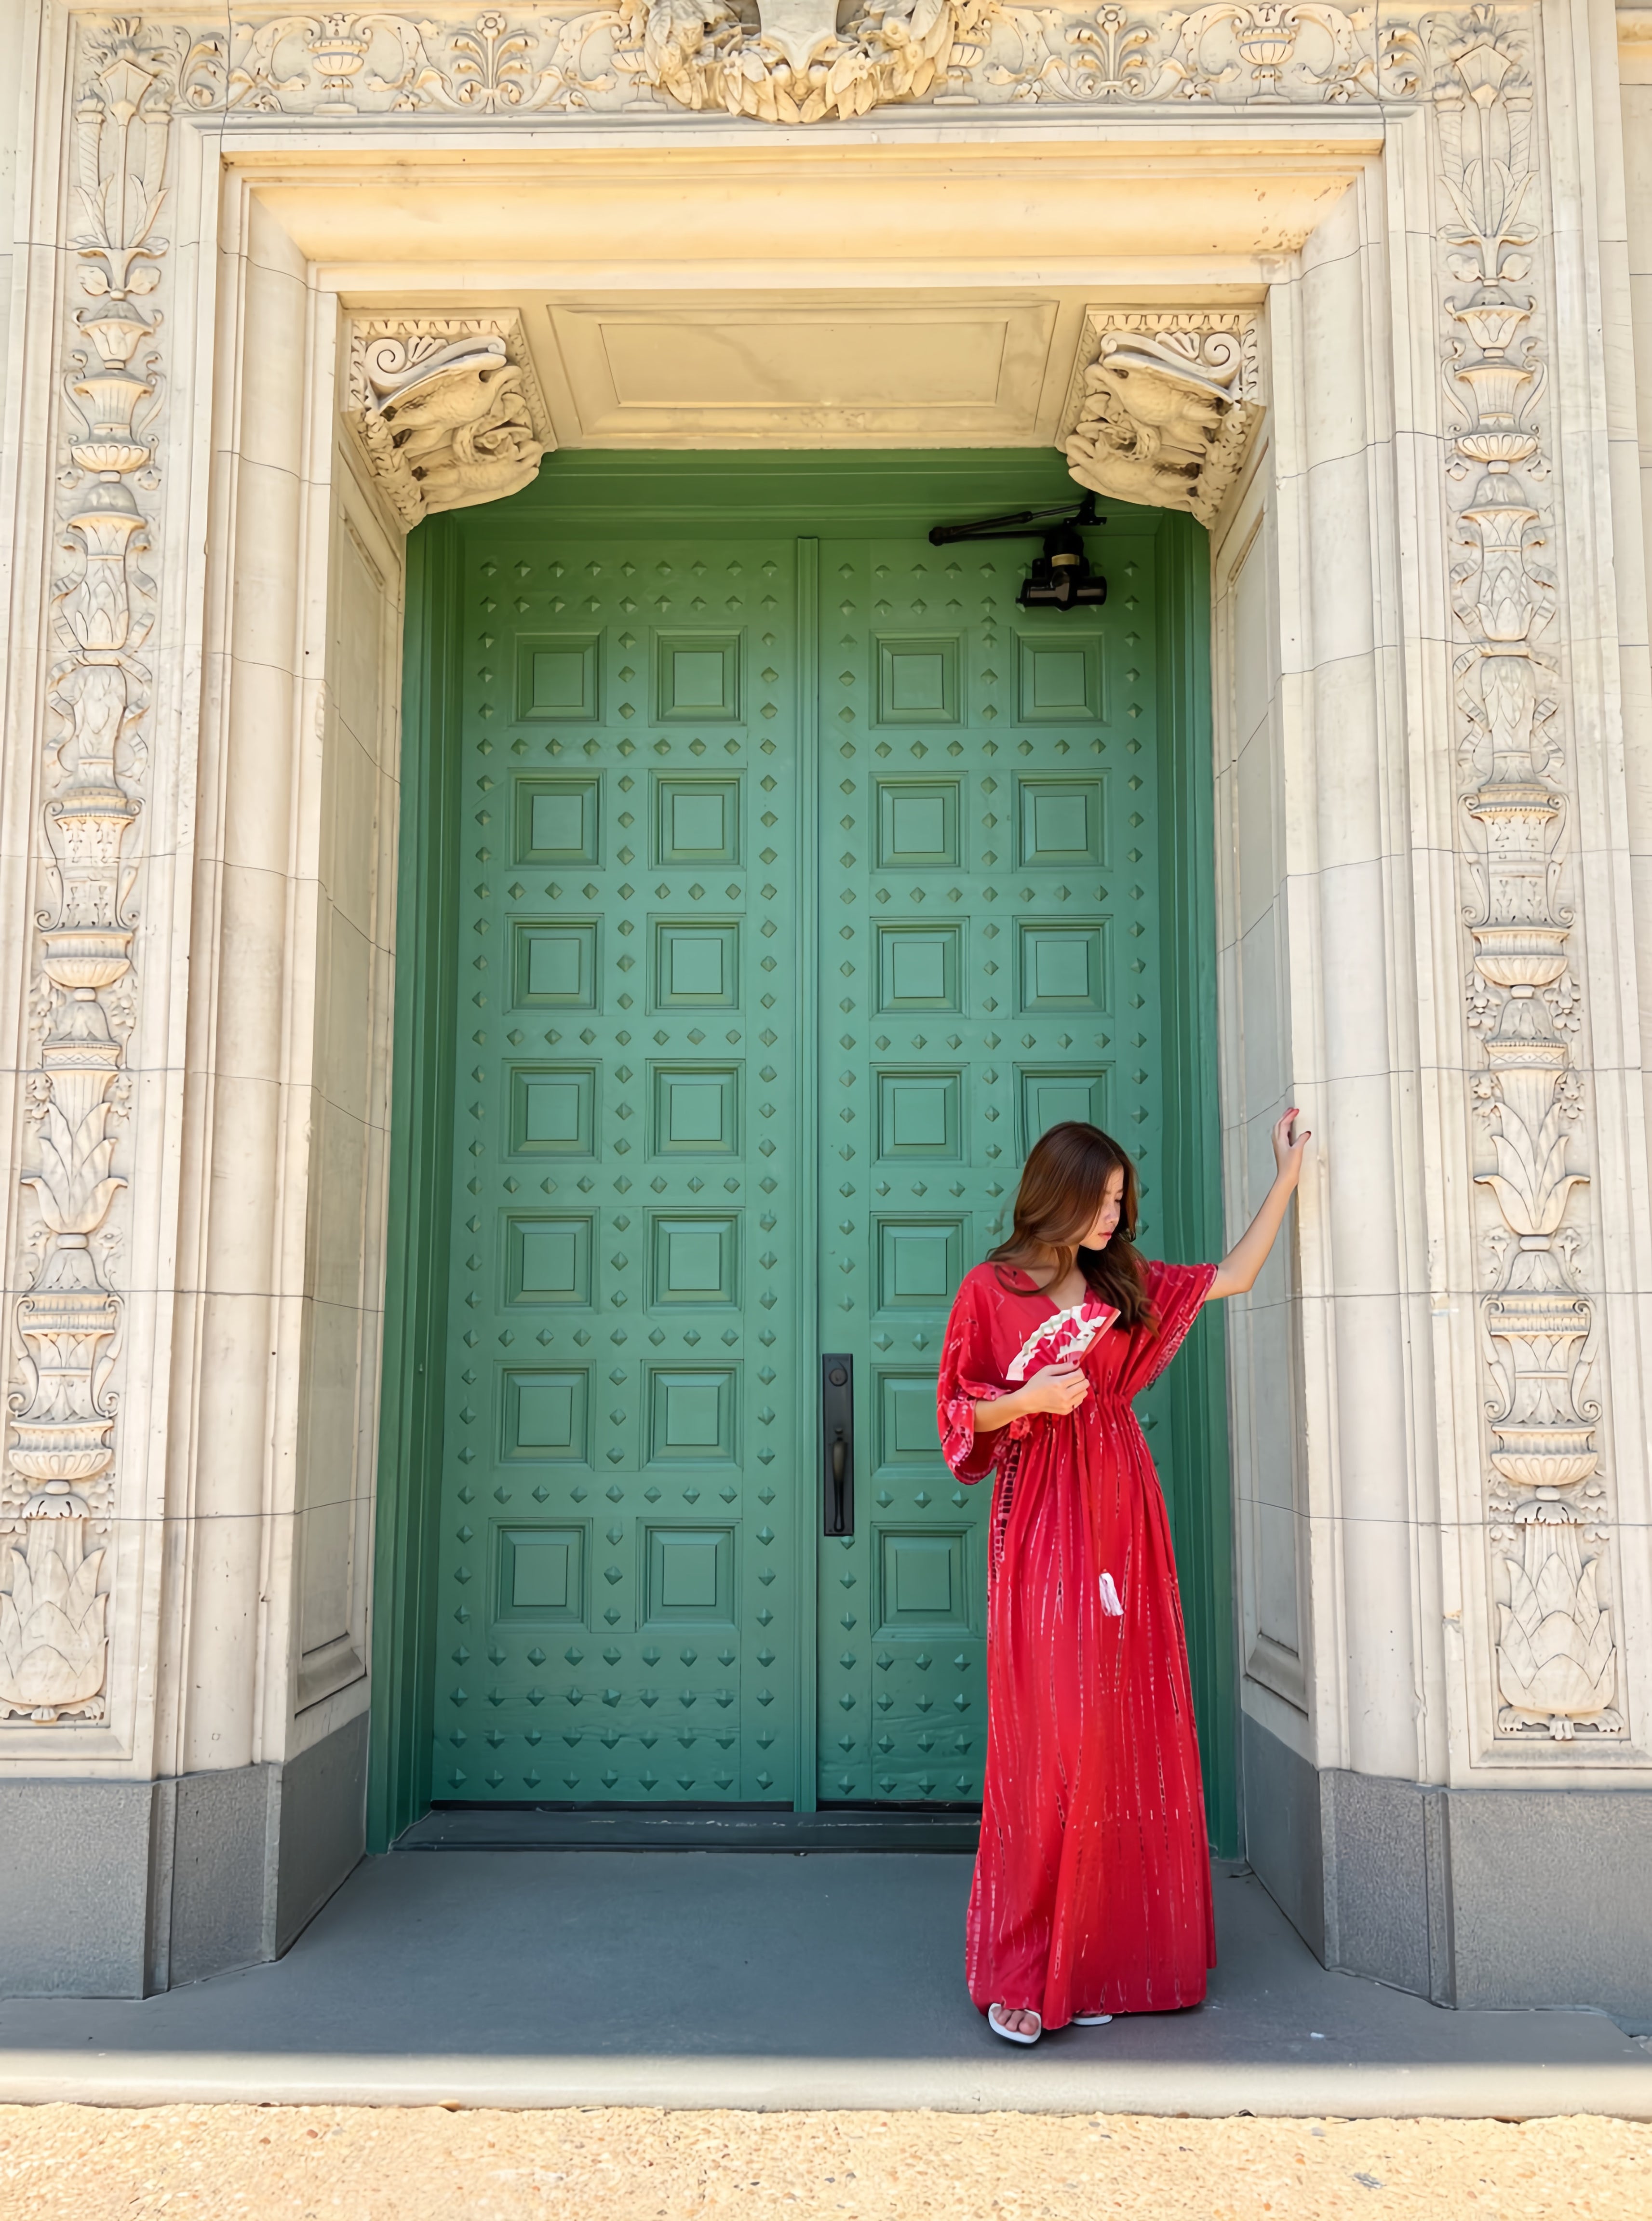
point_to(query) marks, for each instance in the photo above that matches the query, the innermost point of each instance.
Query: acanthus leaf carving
(53, 1641)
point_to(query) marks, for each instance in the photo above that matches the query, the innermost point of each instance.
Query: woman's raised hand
(1236, 1274)
(1057, 1389)
(1288, 1147)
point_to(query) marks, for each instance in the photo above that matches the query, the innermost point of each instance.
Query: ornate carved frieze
(1556, 1661)
(794, 61)
(66, 1326)
(1163, 405)
(446, 410)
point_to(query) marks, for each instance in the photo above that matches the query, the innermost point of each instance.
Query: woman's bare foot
(1019, 2026)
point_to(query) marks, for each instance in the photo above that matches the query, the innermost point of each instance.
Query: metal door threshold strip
(518, 1828)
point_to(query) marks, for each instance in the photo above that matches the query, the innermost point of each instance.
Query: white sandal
(1013, 2035)
(1090, 2020)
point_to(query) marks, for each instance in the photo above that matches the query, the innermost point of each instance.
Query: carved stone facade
(1172, 367)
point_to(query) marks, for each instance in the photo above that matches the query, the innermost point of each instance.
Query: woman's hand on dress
(1057, 1389)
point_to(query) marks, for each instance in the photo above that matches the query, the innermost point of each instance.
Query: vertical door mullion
(806, 1285)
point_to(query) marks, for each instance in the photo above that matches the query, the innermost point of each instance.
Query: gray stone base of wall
(1489, 1898)
(177, 1879)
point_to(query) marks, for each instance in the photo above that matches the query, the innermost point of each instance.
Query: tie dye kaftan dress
(1092, 1890)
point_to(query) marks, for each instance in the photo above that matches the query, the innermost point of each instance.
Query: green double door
(803, 881)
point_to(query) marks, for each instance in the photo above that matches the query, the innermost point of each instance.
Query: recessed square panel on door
(553, 1110)
(1060, 966)
(696, 678)
(923, 1581)
(547, 1415)
(1054, 1097)
(918, 681)
(920, 1114)
(907, 1434)
(694, 1259)
(696, 965)
(688, 1575)
(696, 1110)
(691, 1414)
(559, 679)
(920, 967)
(540, 1573)
(554, 966)
(696, 821)
(1061, 824)
(1059, 681)
(558, 821)
(919, 1262)
(547, 1259)
(919, 825)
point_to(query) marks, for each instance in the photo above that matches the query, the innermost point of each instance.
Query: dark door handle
(837, 1443)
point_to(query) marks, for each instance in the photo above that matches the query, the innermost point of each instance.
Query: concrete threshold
(1038, 2082)
(532, 1978)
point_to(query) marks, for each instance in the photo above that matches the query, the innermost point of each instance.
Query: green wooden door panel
(616, 1468)
(987, 805)
(765, 896)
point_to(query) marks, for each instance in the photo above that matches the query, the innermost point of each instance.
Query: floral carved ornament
(57, 1488)
(1555, 1658)
(792, 61)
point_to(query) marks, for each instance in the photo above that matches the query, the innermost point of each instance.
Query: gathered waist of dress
(1100, 1400)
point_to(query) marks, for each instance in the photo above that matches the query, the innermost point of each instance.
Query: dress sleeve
(1177, 1294)
(970, 1375)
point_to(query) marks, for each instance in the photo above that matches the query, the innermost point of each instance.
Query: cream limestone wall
(1635, 62)
(1263, 1333)
(218, 1743)
(1432, 806)
(1629, 311)
(11, 128)
(345, 1264)
(290, 999)
(1340, 1627)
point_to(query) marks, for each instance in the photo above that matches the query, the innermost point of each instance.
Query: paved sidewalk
(834, 1979)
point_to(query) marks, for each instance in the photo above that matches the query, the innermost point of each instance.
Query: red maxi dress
(1092, 1890)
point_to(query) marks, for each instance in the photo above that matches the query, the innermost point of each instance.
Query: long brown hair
(1062, 1184)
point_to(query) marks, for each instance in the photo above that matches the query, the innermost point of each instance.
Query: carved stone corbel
(446, 410)
(1162, 406)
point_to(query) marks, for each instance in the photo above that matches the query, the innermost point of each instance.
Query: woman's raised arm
(1236, 1274)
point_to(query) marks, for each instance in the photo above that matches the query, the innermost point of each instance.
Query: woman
(1092, 1892)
